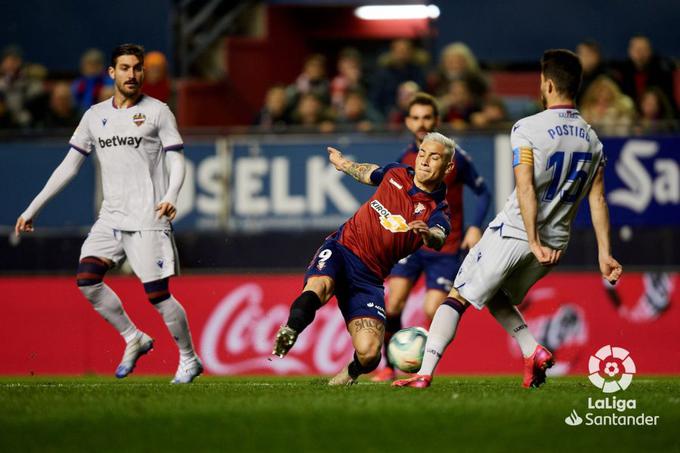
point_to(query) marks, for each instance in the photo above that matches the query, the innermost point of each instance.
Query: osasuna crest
(419, 208)
(139, 119)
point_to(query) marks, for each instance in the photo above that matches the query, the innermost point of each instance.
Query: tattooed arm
(360, 172)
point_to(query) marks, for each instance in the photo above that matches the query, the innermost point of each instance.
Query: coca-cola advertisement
(47, 326)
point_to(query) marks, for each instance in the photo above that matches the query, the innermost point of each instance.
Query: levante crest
(139, 119)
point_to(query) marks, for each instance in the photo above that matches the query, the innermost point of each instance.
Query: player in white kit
(557, 160)
(142, 167)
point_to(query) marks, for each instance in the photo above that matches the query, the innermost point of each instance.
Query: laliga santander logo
(611, 369)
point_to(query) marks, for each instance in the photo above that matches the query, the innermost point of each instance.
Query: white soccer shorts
(498, 263)
(152, 253)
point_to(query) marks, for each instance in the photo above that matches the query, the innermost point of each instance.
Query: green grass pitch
(305, 415)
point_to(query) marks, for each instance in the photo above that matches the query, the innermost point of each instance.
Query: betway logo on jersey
(391, 222)
(117, 140)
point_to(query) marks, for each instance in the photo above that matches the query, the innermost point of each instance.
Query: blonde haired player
(557, 160)
(142, 166)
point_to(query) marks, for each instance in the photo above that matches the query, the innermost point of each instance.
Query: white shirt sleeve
(61, 176)
(167, 130)
(519, 137)
(82, 140)
(175, 165)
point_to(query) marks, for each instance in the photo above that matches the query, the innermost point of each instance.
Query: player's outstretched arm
(599, 212)
(528, 207)
(360, 172)
(61, 176)
(176, 171)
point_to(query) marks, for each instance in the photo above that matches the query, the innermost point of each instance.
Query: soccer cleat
(188, 370)
(384, 375)
(342, 378)
(285, 339)
(535, 367)
(133, 351)
(419, 381)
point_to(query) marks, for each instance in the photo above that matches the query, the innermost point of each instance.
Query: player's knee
(368, 353)
(499, 303)
(91, 271)
(158, 290)
(369, 359)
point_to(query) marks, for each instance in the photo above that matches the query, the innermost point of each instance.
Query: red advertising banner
(47, 327)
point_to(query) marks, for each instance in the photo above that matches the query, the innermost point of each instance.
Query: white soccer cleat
(285, 339)
(188, 370)
(133, 351)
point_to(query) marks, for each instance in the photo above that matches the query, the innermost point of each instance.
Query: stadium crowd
(635, 96)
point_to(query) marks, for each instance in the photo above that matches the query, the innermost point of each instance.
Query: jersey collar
(438, 195)
(139, 99)
(562, 106)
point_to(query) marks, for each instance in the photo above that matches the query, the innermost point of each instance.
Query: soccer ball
(406, 349)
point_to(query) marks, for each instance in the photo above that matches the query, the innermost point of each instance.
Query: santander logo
(239, 335)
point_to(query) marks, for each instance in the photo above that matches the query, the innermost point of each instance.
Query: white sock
(108, 305)
(442, 331)
(176, 319)
(512, 321)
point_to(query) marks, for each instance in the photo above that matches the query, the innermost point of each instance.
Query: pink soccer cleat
(535, 367)
(419, 381)
(385, 375)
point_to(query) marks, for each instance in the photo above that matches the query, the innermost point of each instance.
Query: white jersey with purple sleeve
(565, 153)
(130, 145)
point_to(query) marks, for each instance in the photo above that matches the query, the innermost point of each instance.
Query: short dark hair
(563, 67)
(422, 98)
(127, 49)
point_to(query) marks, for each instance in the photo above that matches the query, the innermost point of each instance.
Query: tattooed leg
(367, 338)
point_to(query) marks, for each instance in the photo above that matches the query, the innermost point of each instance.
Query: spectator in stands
(607, 109)
(459, 104)
(274, 114)
(348, 78)
(644, 70)
(590, 55)
(402, 63)
(405, 93)
(312, 80)
(92, 81)
(311, 115)
(156, 79)
(357, 114)
(61, 112)
(656, 113)
(493, 114)
(6, 121)
(455, 63)
(21, 85)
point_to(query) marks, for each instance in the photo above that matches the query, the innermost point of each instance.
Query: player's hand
(23, 225)
(472, 237)
(545, 255)
(165, 208)
(336, 158)
(419, 227)
(610, 268)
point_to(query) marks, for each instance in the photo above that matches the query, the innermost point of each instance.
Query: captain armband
(523, 155)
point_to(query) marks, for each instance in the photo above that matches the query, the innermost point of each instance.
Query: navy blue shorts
(440, 268)
(359, 291)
